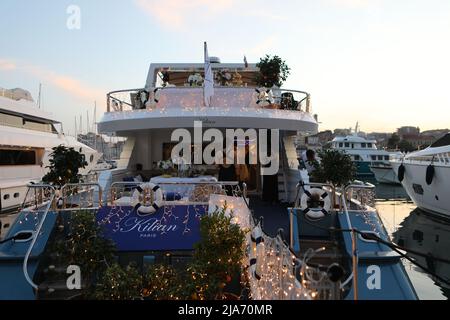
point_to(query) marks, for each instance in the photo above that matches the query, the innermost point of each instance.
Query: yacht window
(357, 157)
(11, 121)
(347, 145)
(418, 189)
(16, 195)
(91, 158)
(374, 157)
(386, 158)
(353, 145)
(369, 145)
(380, 158)
(33, 125)
(363, 145)
(340, 145)
(17, 157)
(6, 197)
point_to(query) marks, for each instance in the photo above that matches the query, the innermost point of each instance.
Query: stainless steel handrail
(212, 183)
(365, 186)
(110, 96)
(37, 233)
(355, 259)
(64, 198)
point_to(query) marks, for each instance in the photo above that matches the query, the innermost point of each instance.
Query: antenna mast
(39, 95)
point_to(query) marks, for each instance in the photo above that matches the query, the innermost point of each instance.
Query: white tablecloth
(184, 188)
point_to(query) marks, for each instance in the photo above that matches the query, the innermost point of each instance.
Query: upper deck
(353, 142)
(173, 98)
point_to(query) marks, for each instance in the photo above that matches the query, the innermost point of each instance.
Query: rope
(396, 248)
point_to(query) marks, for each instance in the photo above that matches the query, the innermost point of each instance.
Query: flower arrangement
(165, 164)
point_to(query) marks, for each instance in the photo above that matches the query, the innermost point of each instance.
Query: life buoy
(153, 98)
(430, 174)
(146, 209)
(263, 97)
(401, 172)
(317, 195)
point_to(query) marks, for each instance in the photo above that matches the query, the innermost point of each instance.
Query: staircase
(52, 273)
(289, 174)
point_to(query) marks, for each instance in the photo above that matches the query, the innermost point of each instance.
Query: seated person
(309, 161)
(140, 177)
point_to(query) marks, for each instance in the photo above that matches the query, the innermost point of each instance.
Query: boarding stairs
(289, 174)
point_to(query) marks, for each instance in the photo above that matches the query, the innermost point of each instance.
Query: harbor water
(415, 229)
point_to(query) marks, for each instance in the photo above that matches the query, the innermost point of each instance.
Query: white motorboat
(27, 136)
(425, 175)
(363, 152)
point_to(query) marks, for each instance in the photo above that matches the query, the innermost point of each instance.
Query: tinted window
(380, 157)
(347, 144)
(369, 145)
(386, 158)
(340, 145)
(374, 157)
(17, 157)
(363, 145)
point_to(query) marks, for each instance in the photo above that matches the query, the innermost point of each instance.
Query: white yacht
(27, 136)
(384, 173)
(363, 152)
(425, 175)
(173, 97)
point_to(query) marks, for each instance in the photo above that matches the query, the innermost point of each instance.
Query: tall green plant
(335, 167)
(273, 71)
(218, 256)
(65, 164)
(85, 246)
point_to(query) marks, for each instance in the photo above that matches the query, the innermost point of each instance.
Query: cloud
(6, 65)
(174, 14)
(68, 84)
(354, 4)
(177, 15)
(264, 46)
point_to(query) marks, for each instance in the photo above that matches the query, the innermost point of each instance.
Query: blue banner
(169, 228)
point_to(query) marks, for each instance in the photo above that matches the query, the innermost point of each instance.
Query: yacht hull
(432, 198)
(385, 175)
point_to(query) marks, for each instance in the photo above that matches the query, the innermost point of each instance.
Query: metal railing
(135, 99)
(362, 194)
(188, 192)
(46, 206)
(80, 196)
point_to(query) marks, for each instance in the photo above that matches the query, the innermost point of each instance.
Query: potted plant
(273, 71)
(335, 168)
(65, 164)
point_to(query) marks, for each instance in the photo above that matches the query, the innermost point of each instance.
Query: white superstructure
(27, 136)
(426, 176)
(363, 152)
(173, 97)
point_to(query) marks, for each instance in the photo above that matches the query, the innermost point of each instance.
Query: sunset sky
(384, 63)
